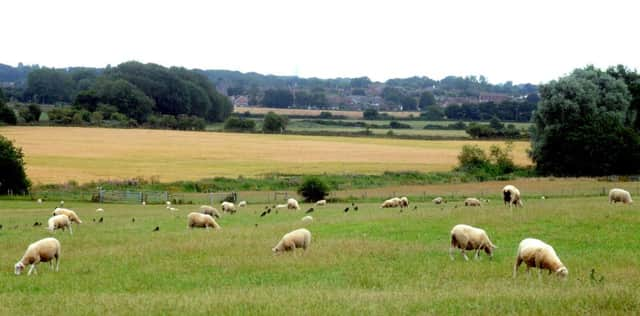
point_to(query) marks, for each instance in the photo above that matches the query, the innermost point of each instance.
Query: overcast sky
(522, 41)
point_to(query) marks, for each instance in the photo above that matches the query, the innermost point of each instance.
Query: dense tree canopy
(584, 125)
(12, 178)
(277, 98)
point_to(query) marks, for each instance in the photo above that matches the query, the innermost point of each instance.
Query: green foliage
(12, 178)
(234, 123)
(274, 123)
(584, 126)
(313, 189)
(495, 129)
(277, 98)
(498, 162)
(361, 83)
(126, 97)
(30, 113)
(398, 125)
(7, 115)
(325, 115)
(432, 113)
(370, 114)
(49, 85)
(427, 99)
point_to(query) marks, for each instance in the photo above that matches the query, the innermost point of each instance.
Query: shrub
(12, 176)
(398, 125)
(313, 189)
(234, 123)
(274, 123)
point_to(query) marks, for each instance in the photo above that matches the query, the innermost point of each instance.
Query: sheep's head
(489, 250)
(562, 272)
(18, 268)
(506, 195)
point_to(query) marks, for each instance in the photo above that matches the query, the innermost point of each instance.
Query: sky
(520, 41)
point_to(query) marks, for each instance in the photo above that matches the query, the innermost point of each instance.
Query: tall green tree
(426, 99)
(582, 126)
(277, 98)
(274, 123)
(49, 85)
(12, 178)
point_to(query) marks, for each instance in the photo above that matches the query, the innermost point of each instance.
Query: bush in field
(12, 176)
(475, 161)
(313, 189)
(30, 113)
(274, 123)
(234, 123)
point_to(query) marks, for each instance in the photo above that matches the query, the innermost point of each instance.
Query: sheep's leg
(516, 266)
(451, 250)
(57, 263)
(477, 256)
(32, 269)
(70, 230)
(464, 255)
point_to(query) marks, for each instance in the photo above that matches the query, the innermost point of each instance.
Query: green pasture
(371, 261)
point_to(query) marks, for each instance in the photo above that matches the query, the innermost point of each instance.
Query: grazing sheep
(438, 200)
(100, 209)
(228, 207)
(144, 203)
(321, 202)
(466, 237)
(281, 206)
(43, 250)
(299, 238)
(59, 222)
(619, 195)
(392, 202)
(168, 203)
(536, 253)
(292, 204)
(404, 202)
(195, 219)
(511, 196)
(39, 201)
(71, 214)
(472, 202)
(307, 218)
(242, 204)
(172, 209)
(209, 210)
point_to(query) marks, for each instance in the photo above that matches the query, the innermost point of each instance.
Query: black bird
(133, 220)
(156, 229)
(269, 211)
(0, 226)
(37, 224)
(266, 207)
(100, 221)
(415, 207)
(256, 224)
(346, 209)
(353, 204)
(355, 208)
(263, 214)
(309, 211)
(94, 219)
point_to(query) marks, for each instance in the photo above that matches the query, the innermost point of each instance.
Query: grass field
(60, 154)
(374, 261)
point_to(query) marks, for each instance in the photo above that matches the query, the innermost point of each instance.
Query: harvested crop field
(60, 154)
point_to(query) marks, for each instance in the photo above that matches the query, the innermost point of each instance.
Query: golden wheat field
(60, 154)
(348, 114)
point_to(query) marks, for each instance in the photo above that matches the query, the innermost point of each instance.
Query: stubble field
(60, 154)
(373, 261)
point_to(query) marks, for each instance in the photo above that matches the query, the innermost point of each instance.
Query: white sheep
(307, 218)
(511, 196)
(292, 204)
(100, 209)
(465, 237)
(392, 202)
(242, 204)
(209, 210)
(404, 202)
(321, 202)
(195, 219)
(472, 202)
(438, 200)
(168, 203)
(228, 207)
(43, 250)
(59, 222)
(299, 238)
(536, 253)
(71, 214)
(619, 195)
(40, 201)
(281, 206)
(172, 209)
